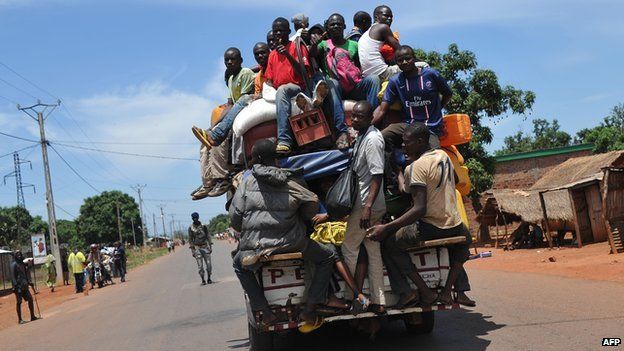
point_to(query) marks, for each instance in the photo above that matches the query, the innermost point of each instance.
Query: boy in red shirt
(283, 73)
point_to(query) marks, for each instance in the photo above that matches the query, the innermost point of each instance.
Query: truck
(282, 279)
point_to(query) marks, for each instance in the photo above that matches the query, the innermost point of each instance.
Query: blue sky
(139, 71)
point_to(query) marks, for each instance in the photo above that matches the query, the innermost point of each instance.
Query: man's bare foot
(407, 299)
(464, 300)
(377, 309)
(333, 301)
(428, 297)
(309, 317)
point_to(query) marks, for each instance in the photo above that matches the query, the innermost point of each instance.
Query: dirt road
(163, 307)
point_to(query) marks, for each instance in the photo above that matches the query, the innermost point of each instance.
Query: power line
(18, 89)
(20, 138)
(20, 150)
(7, 99)
(64, 210)
(73, 170)
(121, 143)
(27, 80)
(126, 153)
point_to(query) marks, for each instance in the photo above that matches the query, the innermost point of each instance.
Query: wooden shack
(568, 197)
(613, 203)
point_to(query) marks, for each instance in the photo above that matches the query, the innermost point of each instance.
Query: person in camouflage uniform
(200, 244)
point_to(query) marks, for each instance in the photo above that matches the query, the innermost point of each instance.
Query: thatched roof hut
(520, 205)
(579, 170)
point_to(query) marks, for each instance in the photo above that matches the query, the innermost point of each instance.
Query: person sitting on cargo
(536, 236)
(361, 23)
(270, 39)
(215, 175)
(433, 215)
(270, 209)
(290, 77)
(261, 53)
(372, 40)
(343, 83)
(422, 92)
(301, 23)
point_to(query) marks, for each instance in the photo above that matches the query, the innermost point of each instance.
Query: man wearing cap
(201, 247)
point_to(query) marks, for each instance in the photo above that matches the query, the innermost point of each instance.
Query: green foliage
(218, 223)
(15, 235)
(546, 135)
(609, 135)
(97, 222)
(68, 234)
(477, 93)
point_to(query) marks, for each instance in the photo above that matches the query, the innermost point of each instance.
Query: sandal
(464, 301)
(203, 137)
(359, 306)
(308, 327)
(283, 149)
(407, 304)
(377, 309)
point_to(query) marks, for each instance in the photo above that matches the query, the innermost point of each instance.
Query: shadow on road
(454, 330)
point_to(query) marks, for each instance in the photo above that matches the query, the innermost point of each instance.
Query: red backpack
(342, 68)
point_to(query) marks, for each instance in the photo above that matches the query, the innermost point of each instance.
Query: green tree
(607, 136)
(16, 225)
(218, 223)
(68, 234)
(477, 93)
(97, 222)
(546, 135)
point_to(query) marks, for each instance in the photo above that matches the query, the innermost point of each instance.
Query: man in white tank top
(371, 42)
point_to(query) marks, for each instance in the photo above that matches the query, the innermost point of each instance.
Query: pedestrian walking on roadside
(200, 244)
(20, 277)
(65, 267)
(76, 263)
(119, 258)
(50, 271)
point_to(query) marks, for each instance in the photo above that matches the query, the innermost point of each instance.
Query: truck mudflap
(342, 317)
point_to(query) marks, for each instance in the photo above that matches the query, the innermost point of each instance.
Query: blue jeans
(221, 130)
(282, 101)
(367, 89)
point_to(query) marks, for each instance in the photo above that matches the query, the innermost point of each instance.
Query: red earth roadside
(591, 262)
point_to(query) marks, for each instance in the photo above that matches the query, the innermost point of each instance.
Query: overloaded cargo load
(326, 81)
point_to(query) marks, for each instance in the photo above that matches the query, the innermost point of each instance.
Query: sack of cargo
(257, 112)
(268, 92)
(330, 233)
(456, 130)
(217, 112)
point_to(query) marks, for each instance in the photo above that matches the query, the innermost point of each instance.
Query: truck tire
(420, 322)
(259, 341)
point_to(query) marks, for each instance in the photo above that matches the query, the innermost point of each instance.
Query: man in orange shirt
(261, 53)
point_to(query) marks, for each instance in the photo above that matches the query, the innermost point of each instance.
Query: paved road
(163, 307)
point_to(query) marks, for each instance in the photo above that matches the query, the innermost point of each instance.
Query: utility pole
(19, 187)
(36, 112)
(118, 222)
(138, 188)
(162, 217)
(17, 173)
(133, 232)
(171, 225)
(155, 229)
